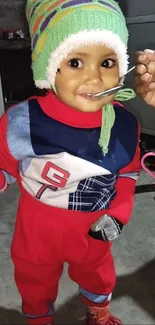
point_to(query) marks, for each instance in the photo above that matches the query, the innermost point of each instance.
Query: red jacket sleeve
(121, 207)
(8, 164)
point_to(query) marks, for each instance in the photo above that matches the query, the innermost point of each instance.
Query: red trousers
(45, 238)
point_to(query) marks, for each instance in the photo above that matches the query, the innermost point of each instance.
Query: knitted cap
(58, 27)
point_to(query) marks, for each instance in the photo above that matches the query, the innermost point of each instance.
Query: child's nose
(93, 77)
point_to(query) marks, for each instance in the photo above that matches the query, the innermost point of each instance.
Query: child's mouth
(89, 96)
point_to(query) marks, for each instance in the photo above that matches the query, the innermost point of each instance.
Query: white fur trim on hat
(84, 38)
(42, 84)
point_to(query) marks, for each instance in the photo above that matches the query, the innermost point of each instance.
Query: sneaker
(101, 316)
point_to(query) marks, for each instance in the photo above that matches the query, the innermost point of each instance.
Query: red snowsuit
(58, 204)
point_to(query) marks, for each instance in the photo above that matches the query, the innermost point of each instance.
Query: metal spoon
(113, 90)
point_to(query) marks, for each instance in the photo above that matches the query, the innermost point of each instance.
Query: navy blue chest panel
(49, 136)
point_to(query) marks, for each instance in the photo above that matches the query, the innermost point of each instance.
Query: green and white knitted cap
(58, 27)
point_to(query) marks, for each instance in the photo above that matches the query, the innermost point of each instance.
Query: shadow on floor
(146, 188)
(140, 286)
(11, 317)
(70, 313)
(73, 312)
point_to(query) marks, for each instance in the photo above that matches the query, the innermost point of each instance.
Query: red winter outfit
(66, 185)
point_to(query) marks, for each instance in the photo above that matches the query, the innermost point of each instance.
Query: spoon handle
(111, 91)
(131, 69)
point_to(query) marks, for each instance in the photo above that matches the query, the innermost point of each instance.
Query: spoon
(113, 90)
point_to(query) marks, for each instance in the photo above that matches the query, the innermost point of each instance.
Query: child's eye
(108, 63)
(75, 63)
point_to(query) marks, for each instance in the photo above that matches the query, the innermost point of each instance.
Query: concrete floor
(134, 254)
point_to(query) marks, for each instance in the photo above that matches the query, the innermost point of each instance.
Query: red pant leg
(36, 260)
(96, 273)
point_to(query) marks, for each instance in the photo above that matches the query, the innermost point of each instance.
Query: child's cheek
(112, 80)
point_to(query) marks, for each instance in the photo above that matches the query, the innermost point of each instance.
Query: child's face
(88, 70)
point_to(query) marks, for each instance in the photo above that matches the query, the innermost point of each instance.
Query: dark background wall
(15, 56)
(12, 14)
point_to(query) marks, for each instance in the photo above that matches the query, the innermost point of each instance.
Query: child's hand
(145, 76)
(106, 228)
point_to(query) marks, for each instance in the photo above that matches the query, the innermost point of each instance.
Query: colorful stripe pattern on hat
(41, 14)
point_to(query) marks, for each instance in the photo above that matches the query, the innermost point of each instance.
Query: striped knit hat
(58, 27)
